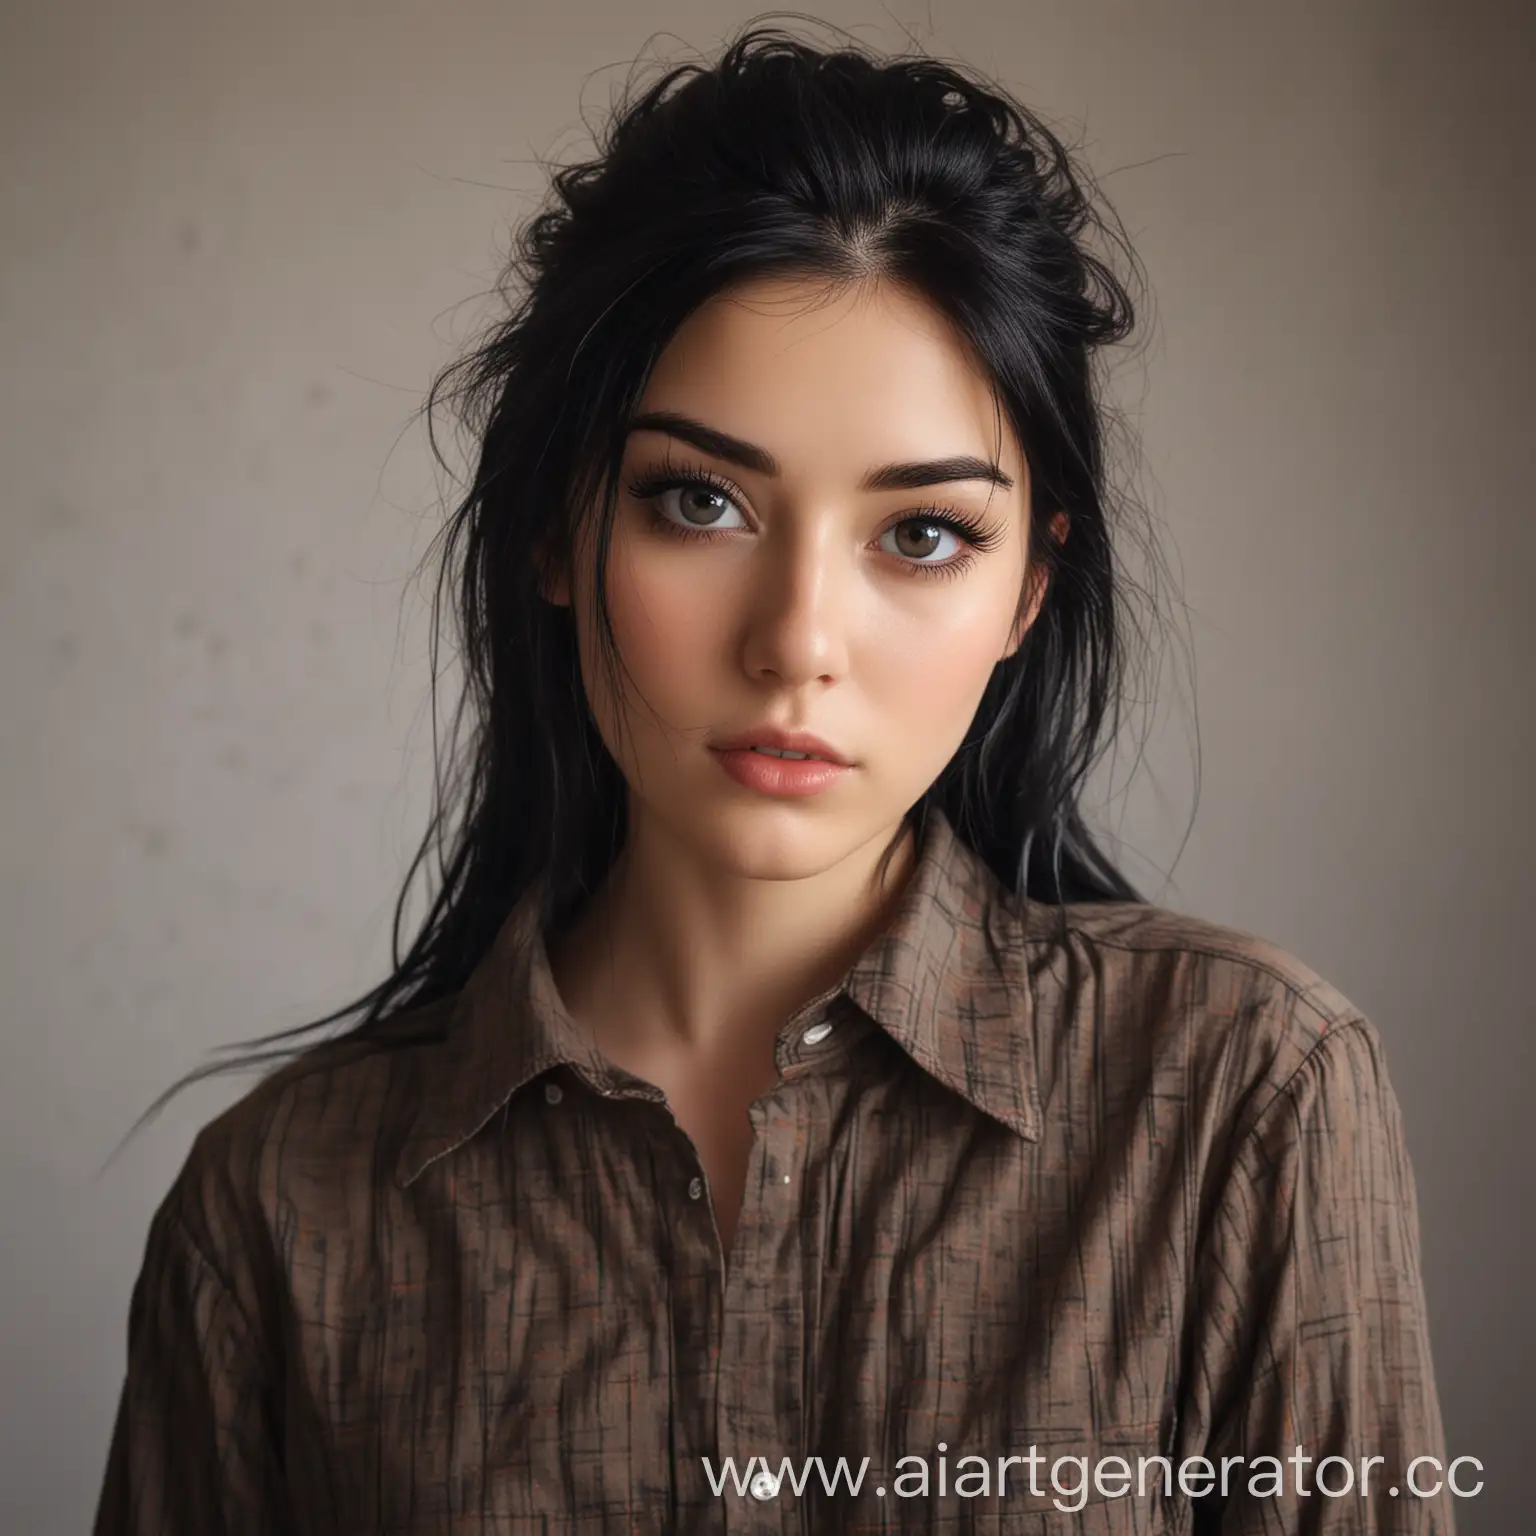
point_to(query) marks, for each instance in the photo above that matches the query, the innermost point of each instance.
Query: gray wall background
(236, 243)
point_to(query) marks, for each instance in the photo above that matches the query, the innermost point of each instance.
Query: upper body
(1142, 1191)
(847, 1104)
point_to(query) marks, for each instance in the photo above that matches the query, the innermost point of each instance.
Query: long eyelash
(679, 477)
(977, 534)
(648, 487)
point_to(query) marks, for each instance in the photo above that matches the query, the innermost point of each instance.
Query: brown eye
(701, 505)
(694, 505)
(917, 539)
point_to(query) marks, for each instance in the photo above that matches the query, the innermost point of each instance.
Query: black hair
(778, 158)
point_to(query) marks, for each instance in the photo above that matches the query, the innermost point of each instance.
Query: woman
(782, 1071)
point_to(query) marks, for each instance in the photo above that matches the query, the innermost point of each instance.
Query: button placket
(694, 1288)
(762, 1343)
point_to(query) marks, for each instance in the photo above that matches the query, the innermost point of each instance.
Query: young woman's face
(809, 536)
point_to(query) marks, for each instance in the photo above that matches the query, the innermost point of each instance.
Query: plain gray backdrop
(236, 243)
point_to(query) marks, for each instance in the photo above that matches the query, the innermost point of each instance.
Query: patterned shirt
(1043, 1193)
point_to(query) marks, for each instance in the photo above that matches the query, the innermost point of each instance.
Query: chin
(772, 840)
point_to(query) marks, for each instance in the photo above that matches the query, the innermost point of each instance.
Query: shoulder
(1145, 938)
(1224, 1019)
(309, 1137)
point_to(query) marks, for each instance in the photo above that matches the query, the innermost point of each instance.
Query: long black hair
(778, 158)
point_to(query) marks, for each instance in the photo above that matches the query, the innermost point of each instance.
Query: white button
(695, 1189)
(552, 1093)
(816, 1034)
(764, 1486)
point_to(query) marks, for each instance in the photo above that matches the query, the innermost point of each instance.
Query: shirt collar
(947, 979)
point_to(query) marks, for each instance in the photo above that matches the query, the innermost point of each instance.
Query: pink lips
(785, 776)
(822, 767)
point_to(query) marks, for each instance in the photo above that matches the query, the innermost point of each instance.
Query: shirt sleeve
(1312, 1331)
(195, 1444)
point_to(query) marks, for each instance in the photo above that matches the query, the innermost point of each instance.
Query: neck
(672, 950)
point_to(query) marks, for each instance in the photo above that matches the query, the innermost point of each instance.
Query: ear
(1039, 577)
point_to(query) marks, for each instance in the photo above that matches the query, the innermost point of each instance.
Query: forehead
(825, 376)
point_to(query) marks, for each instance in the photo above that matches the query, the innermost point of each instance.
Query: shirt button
(552, 1093)
(816, 1034)
(764, 1486)
(696, 1192)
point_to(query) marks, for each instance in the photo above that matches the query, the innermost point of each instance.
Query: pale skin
(807, 606)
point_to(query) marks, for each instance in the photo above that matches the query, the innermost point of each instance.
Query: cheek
(929, 664)
(671, 628)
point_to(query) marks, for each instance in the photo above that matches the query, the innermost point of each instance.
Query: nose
(799, 608)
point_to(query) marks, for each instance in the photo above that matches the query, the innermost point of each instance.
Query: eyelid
(645, 485)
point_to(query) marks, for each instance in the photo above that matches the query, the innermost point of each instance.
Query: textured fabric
(1137, 1190)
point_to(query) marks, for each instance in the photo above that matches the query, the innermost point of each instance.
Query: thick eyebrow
(888, 477)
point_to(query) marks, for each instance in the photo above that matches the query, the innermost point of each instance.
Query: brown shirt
(1142, 1191)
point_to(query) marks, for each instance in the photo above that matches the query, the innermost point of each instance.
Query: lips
(778, 741)
(780, 777)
